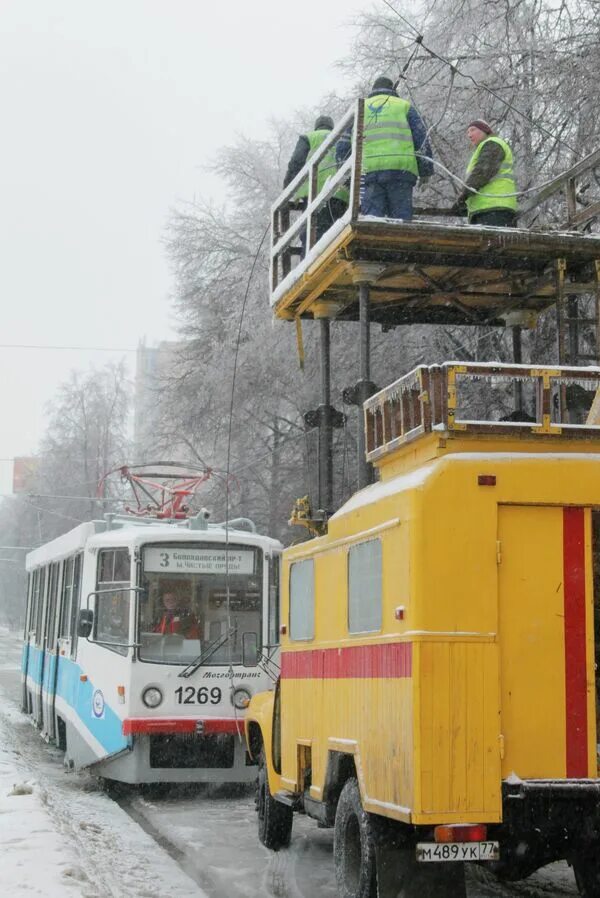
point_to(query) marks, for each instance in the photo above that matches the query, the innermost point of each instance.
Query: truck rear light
(486, 480)
(473, 832)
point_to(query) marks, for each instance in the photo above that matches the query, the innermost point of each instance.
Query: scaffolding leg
(561, 267)
(517, 346)
(364, 387)
(325, 422)
(300, 343)
(597, 266)
(573, 319)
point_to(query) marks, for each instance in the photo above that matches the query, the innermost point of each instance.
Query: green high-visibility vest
(327, 167)
(387, 138)
(493, 194)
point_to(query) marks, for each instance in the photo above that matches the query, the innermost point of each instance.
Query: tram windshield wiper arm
(208, 652)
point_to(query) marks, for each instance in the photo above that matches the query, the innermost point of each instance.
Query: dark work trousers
(386, 194)
(326, 216)
(496, 218)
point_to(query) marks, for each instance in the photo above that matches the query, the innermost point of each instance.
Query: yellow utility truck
(437, 697)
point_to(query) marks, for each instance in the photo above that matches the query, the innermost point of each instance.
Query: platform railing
(290, 219)
(444, 397)
(567, 183)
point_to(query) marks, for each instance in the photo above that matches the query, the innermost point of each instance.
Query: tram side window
(32, 617)
(66, 610)
(302, 600)
(75, 594)
(50, 628)
(364, 587)
(111, 621)
(32, 603)
(41, 588)
(28, 605)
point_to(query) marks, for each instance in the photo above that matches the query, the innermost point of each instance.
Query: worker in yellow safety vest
(305, 148)
(490, 193)
(395, 153)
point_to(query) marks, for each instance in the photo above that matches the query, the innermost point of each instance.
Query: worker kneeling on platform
(396, 152)
(305, 148)
(490, 194)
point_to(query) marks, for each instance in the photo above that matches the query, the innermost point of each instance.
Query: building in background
(152, 370)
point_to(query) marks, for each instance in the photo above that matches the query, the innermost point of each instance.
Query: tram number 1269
(189, 695)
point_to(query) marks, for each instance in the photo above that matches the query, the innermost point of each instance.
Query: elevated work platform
(427, 273)
(422, 272)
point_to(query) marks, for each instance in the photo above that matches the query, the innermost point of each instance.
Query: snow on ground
(61, 837)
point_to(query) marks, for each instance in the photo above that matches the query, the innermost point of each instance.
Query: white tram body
(129, 688)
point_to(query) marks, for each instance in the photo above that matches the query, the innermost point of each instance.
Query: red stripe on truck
(575, 642)
(378, 661)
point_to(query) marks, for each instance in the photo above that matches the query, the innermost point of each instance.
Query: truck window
(364, 587)
(273, 635)
(302, 600)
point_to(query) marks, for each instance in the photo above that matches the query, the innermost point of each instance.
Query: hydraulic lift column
(364, 388)
(325, 429)
(363, 276)
(324, 418)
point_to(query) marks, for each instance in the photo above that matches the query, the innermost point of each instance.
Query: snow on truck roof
(385, 489)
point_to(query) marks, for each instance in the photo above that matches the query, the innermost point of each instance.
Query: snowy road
(185, 843)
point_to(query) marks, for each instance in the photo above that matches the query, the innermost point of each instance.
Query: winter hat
(383, 83)
(482, 125)
(324, 122)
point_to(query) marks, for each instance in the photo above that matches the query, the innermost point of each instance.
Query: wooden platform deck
(432, 273)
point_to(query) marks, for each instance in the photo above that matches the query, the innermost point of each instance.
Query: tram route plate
(434, 852)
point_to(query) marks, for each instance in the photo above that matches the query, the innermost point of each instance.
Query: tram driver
(177, 617)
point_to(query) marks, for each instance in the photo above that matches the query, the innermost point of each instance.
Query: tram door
(36, 654)
(50, 652)
(545, 628)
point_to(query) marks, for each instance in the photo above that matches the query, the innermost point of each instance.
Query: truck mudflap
(400, 875)
(543, 821)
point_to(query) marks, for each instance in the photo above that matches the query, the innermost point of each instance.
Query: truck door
(545, 628)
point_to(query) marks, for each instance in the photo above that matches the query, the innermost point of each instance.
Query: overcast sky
(109, 112)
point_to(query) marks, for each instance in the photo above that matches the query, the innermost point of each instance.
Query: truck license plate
(457, 851)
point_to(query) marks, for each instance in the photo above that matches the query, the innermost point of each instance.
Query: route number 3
(189, 695)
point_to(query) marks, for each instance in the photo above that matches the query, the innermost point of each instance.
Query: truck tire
(274, 819)
(353, 846)
(587, 874)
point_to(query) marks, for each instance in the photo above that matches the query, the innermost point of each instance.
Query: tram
(144, 642)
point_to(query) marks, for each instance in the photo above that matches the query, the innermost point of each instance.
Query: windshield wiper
(208, 652)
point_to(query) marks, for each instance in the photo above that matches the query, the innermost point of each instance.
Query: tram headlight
(240, 698)
(152, 697)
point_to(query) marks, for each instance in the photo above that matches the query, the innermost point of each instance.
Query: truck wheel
(274, 819)
(587, 874)
(353, 846)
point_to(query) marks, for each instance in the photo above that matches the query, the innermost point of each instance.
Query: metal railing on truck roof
(479, 397)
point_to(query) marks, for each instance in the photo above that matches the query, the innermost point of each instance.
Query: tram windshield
(199, 600)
